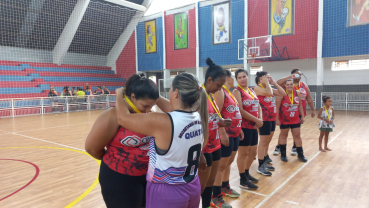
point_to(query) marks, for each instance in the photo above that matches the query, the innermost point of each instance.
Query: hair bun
(210, 62)
(257, 73)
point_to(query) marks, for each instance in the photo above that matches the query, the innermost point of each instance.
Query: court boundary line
(291, 202)
(29, 182)
(293, 175)
(49, 142)
(240, 189)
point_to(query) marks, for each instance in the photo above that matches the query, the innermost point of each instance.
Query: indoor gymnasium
(184, 103)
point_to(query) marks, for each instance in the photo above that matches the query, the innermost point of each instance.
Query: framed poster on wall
(357, 12)
(281, 17)
(180, 30)
(221, 23)
(150, 36)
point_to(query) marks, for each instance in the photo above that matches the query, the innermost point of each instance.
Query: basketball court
(43, 164)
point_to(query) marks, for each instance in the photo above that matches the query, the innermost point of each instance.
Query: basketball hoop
(251, 57)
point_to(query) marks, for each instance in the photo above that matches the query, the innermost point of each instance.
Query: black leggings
(120, 190)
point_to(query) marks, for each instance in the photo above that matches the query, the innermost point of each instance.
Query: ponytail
(325, 98)
(203, 111)
(193, 96)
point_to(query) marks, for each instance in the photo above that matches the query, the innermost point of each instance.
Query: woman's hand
(264, 80)
(259, 123)
(271, 81)
(302, 119)
(202, 163)
(225, 122)
(277, 122)
(326, 120)
(242, 136)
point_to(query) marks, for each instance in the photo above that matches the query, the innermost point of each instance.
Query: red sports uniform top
(214, 136)
(251, 106)
(268, 107)
(288, 113)
(127, 153)
(303, 92)
(232, 111)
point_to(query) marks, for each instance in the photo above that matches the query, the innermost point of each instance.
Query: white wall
(279, 69)
(356, 77)
(42, 56)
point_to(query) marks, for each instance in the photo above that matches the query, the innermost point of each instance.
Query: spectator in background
(66, 91)
(54, 101)
(106, 91)
(98, 91)
(80, 97)
(87, 87)
(80, 92)
(88, 91)
(52, 92)
(74, 92)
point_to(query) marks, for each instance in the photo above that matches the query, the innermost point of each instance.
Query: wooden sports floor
(43, 164)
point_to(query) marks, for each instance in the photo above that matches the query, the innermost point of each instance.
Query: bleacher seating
(23, 80)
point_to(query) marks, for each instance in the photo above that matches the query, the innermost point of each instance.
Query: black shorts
(214, 156)
(121, 190)
(267, 128)
(250, 137)
(233, 146)
(291, 126)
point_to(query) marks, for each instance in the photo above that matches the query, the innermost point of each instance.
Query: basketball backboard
(255, 48)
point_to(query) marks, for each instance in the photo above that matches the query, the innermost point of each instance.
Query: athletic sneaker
(302, 158)
(228, 191)
(219, 202)
(263, 171)
(284, 158)
(252, 179)
(268, 167)
(268, 160)
(294, 151)
(277, 150)
(248, 185)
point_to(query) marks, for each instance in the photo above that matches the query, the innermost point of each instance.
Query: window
(255, 69)
(360, 64)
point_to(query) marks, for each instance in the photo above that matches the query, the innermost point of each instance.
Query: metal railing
(355, 101)
(13, 107)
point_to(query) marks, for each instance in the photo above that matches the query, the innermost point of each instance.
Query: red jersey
(232, 111)
(251, 105)
(214, 136)
(127, 153)
(268, 107)
(289, 113)
(303, 92)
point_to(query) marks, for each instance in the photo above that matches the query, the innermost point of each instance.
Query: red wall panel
(126, 62)
(184, 58)
(303, 43)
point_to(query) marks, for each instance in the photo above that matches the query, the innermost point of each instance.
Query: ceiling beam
(70, 29)
(128, 4)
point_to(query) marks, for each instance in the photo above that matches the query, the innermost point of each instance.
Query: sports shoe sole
(271, 169)
(246, 187)
(232, 196)
(253, 181)
(293, 153)
(276, 153)
(265, 174)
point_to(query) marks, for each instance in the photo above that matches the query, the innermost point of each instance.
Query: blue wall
(151, 61)
(222, 54)
(338, 39)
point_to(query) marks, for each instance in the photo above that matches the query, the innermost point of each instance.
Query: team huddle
(184, 155)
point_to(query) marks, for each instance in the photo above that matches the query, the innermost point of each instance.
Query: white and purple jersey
(178, 165)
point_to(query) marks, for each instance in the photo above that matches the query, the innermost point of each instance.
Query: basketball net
(251, 58)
